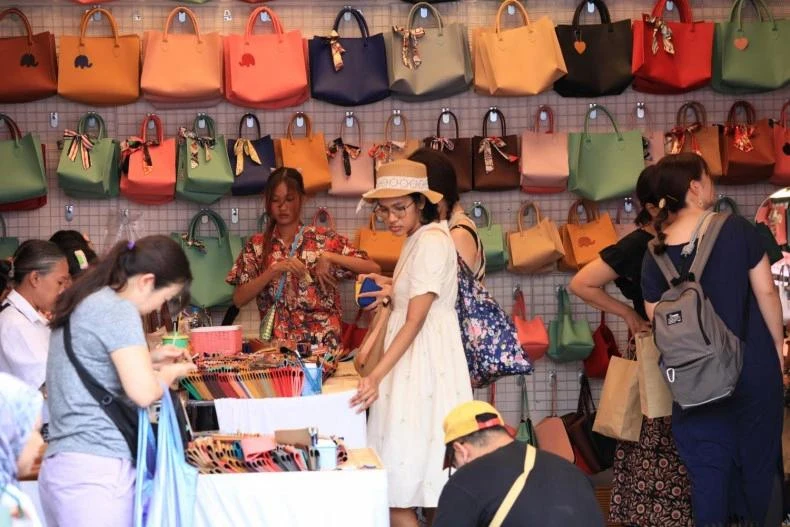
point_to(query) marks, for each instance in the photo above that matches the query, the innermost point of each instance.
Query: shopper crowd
(70, 319)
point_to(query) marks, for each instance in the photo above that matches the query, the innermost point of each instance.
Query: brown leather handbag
(583, 241)
(594, 452)
(28, 63)
(495, 158)
(391, 149)
(697, 136)
(458, 150)
(748, 147)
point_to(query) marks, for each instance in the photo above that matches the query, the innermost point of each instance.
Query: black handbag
(349, 71)
(457, 149)
(598, 56)
(251, 173)
(495, 158)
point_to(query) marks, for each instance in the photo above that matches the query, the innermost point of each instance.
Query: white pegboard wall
(315, 17)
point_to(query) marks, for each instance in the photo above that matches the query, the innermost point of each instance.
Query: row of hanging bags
(89, 165)
(23, 179)
(266, 71)
(535, 249)
(204, 173)
(307, 154)
(526, 60)
(29, 63)
(252, 160)
(544, 156)
(349, 163)
(751, 56)
(458, 150)
(149, 165)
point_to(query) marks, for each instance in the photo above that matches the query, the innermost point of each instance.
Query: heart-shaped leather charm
(786, 149)
(741, 43)
(580, 46)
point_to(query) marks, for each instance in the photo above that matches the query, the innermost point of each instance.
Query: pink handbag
(544, 157)
(350, 166)
(782, 148)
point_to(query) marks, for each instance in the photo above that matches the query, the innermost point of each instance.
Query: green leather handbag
(569, 340)
(8, 246)
(22, 175)
(751, 56)
(493, 239)
(210, 260)
(604, 165)
(526, 431)
(204, 173)
(89, 165)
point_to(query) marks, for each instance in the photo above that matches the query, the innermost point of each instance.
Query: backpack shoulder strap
(664, 263)
(706, 243)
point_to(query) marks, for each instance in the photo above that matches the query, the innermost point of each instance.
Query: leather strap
(515, 489)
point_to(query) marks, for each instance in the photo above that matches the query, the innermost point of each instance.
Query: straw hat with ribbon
(401, 178)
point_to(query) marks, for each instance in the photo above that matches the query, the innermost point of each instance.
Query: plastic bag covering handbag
(584, 241)
(205, 174)
(28, 62)
(383, 247)
(594, 452)
(22, 171)
(544, 156)
(306, 154)
(495, 158)
(782, 148)
(597, 56)
(697, 136)
(569, 340)
(150, 165)
(210, 259)
(526, 431)
(457, 149)
(751, 57)
(349, 71)
(525, 60)
(266, 71)
(782, 282)
(493, 239)
(671, 57)
(165, 80)
(251, 160)
(88, 166)
(166, 486)
(769, 214)
(605, 347)
(532, 334)
(428, 63)
(99, 70)
(604, 165)
(351, 167)
(391, 149)
(8, 245)
(537, 248)
(748, 148)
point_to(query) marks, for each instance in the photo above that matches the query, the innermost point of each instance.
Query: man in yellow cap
(502, 482)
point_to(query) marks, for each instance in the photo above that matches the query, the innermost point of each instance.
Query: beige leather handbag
(536, 248)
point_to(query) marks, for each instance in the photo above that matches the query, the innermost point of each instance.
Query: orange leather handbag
(583, 241)
(266, 71)
(149, 165)
(182, 69)
(99, 70)
(383, 247)
(28, 63)
(306, 154)
(532, 334)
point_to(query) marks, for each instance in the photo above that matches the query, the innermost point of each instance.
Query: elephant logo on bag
(585, 241)
(247, 60)
(82, 62)
(28, 61)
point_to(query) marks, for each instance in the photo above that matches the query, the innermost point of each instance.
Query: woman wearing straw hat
(422, 374)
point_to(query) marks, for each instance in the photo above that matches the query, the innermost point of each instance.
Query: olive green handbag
(204, 172)
(8, 246)
(492, 237)
(526, 431)
(569, 340)
(22, 176)
(89, 164)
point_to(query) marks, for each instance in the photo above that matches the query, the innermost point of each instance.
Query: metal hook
(552, 377)
(516, 290)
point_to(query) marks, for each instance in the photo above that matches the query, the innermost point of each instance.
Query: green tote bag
(205, 173)
(8, 246)
(569, 340)
(526, 431)
(88, 166)
(493, 239)
(210, 260)
(751, 56)
(604, 165)
(22, 175)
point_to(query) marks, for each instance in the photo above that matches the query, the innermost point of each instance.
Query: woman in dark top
(732, 448)
(650, 485)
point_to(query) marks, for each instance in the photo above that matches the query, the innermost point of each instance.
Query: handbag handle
(83, 124)
(323, 212)
(152, 117)
(485, 211)
(21, 16)
(429, 7)
(358, 126)
(760, 8)
(88, 16)
(602, 10)
(728, 202)
(609, 115)
(215, 218)
(523, 212)
(439, 123)
(209, 122)
(255, 120)
(189, 15)
(586, 405)
(502, 122)
(308, 125)
(13, 128)
(277, 26)
(3, 231)
(372, 224)
(522, 380)
(360, 18)
(783, 115)
(684, 10)
(563, 302)
(591, 211)
(748, 109)
(502, 7)
(519, 305)
(700, 115)
(390, 123)
(549, 117)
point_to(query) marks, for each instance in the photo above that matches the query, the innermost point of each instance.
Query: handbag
(526, 431)
(781, 175)
(252, 160)
(493, 239)
(28, 62)
(99, 70)
(22, 170)
(654, 395)
(749, 147)
(349, 71)
(604, 348)
(751, 57)
(266, 71)
(772, 216)
(697, 136)
(652, 140)
(351, 168)
(354, 333)
(210, 260)
(619, 414)
(8, 244)
(604, 165)
(525, 60)
(532, 334)
(458, 150)
(537, 248)
(594, 452)
(382, 247)
(149, 166)
(544, 157)
(89, 165)
(428, 63)
(494, 158)
(205, 174)
(391, 149)
(569, 340)
(306, 154)
(551, 433)
(597, 56)
(583, 241)
(782, 282)
(671, 57)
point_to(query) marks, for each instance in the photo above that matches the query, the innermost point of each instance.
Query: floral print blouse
(305, 309)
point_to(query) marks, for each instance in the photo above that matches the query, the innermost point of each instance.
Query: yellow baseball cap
(465, 419)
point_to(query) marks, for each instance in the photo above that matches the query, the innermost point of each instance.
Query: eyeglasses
(383, 213)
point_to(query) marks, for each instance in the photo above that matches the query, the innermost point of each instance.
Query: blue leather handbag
(251, 160)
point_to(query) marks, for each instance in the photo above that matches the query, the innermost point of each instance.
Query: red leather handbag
(532, 334)
(149, 165)
(28, 63)
(671, 57)
(597, 363)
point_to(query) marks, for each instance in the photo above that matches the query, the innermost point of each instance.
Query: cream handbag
(349, 164)
(544, 157)
(536, 248)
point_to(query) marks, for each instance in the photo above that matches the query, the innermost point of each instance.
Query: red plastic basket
(220, 340)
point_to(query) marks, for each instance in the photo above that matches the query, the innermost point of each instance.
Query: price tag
(397, 120)
(265, 16)
(511, 10)
(201, 123)
(423, 12)
(151, 124)
(182, 17)
(544, 116)
(446, 118)
(492, 116)
(349, 122)
(250, 122)
(590, 7)
(299, 121)
(670, 5)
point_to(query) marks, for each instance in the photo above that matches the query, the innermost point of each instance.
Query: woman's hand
(171, 373)
(290, 265)
(323, 271)
(367, 393)
(167, 354)
(382, 296)
(636, 324)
